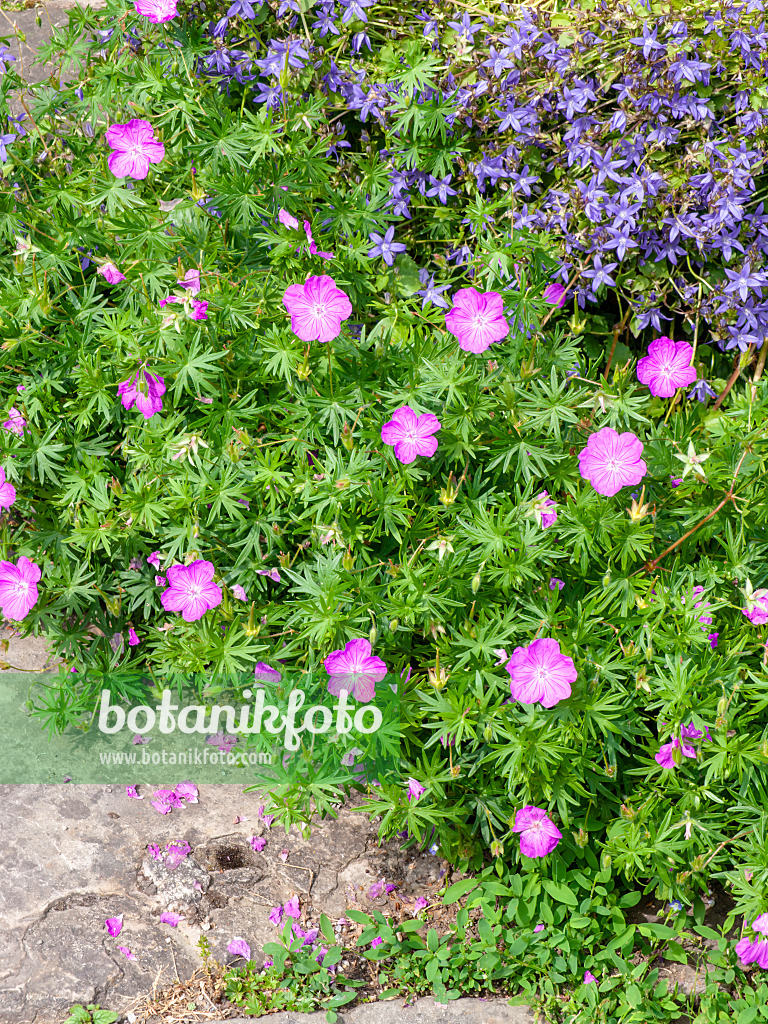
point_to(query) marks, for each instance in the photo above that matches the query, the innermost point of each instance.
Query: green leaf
(358, 916)
(674, 951)
(327, 928)
(455, 892)
(560, 892)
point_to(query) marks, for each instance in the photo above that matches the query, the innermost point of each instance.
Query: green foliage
(90, 1014)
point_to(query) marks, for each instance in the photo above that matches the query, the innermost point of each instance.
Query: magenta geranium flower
(664, 756)
(264, 673)
(258, 843)
(110, 272)
(317, 308)
(191, 281)
(538, 835)
(135, 148)
(476, 319)
(666, 367)
(415, 789)
(555, 294)
(133, 640)
(15, 421)
(539, 672)
(411, 434)
(192, 590)
(156, 11)
(754, 949)
(7, 491)
(612, 461)
(144, 391)
(18, 588)
(355, 670)
(545, 510)
(757, 608)
(287, 219)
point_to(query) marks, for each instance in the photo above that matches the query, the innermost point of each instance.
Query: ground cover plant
(362, 340)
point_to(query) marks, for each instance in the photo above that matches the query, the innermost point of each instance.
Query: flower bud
(252, 629)
(606, 861)
(476, 583)
(373, 633)
(764, 748)
(497, 849)
(393, 624)
(628, 813)
(455, 771)
(698, 863)
(580, 838)
(348, 560)
(448, 494)
(347, 439)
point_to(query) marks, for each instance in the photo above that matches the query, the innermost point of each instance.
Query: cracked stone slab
(423, 1011)
(71, 856)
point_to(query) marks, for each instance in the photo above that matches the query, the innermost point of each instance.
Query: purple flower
(410, 434)
(114, 925)
(415, 789)
(133, 640)
(276, 915)
(666, 367)
(754, 949)
(539, 672)
(191, 590)
(239, 947)
(355, 670)
(133, 793)
(664, 756)
(555, 583)
(712, 637)
(476, 319)
(258, 843)
(239, 593)
(385, 247)
(110, 273)
(291, 907)
(589, 978)
(611, 461)
(376, 942)
(143, 391)
(156, 11)
(317, 308)
(191, 281)
(272, 573)
(135, 148)
(154, 559)
(538, 835)
(701, 391)
(287, 219)
(420, 904)
(168, 917)
(18, 588)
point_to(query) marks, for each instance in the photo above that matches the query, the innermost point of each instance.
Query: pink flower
(284, 854)
(312, 246)
(285, 218)
(555, 294)
(161, 807)
(139, 740)
(757, 608)
(114, 925)
(712, 637)
(110, 272)
(160, 581)
(420, 904)
(258, 844)
(199, 310)
(355, 670)
(666, 367)
(154, 851)
(133, 639)
(156, 11)
(167, 917)
(589, 978)
(539, 672)
(175, 854)
(133, 793)
(18, 588)
(15, 422)
(273, 574)
(292, 907)
(476, 320)
(545, 510)
(239, 593)
(224, 743)
(144, 391)
(376, 942)
(128, 954)
(676, 480)
(191, 281)
(135, 148)
(555, 583)
(7, 491)
(411, 434)
(192, 590)
(415, 789)
(154, 559)
(612, 461)
(317, 308)
(239, 947)
(755, 949)
(538, 928)
(538, 835)
(265, 673)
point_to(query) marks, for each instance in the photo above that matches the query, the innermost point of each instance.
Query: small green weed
(90, 1014)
